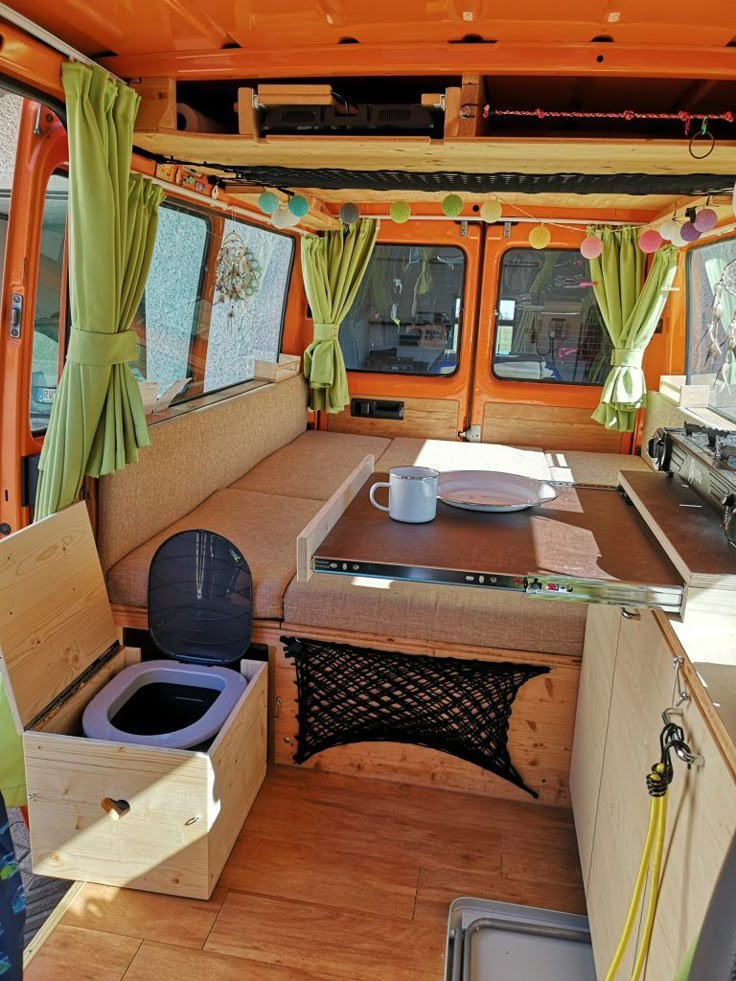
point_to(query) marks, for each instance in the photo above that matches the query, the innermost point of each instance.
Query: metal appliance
(705, 459)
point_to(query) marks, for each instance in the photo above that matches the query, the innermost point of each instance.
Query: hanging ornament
(650, 240)
(677, 238)
(689, 232)
(268, 202)
(539, 237)
(400, 212)
(282, 218)
(349, 213)
(491, 211)
(706, 220)
(298, 205)
(237, 274)
(591, 247)
(669, 230)
(452, 205)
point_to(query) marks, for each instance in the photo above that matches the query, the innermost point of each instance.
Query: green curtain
(12, 770)
(333, 266)
(630, 312)
(97, 422)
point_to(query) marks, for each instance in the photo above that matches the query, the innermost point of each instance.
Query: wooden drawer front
(423, 418)
(159, 845)
(553, 427)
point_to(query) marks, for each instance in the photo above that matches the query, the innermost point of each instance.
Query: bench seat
(431, 613)
(312, 466)
(263, 526)
(594, 469)
(444, 455)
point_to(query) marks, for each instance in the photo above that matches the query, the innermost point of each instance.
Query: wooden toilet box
(162, 820)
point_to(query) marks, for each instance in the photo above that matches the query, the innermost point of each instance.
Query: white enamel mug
(412, 494)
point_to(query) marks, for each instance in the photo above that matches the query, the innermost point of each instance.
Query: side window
(50, 302)
(406, 318)
(548, 326)
(167, 319)
(711, 322)
(253, 267)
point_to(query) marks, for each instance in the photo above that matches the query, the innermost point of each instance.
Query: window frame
(423, 374)
(547, 383)
(731, 237)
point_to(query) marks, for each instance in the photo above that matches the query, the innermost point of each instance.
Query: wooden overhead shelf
(475, 155)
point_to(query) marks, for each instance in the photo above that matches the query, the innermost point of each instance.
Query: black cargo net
(327, 178)
(350, 695)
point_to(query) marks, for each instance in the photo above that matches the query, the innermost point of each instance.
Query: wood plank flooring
(334, 878)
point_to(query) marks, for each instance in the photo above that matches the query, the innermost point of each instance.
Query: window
(406, 317)
(250, 328)
(548, 326)
(711, 322)
(50, 301)
(191, 337)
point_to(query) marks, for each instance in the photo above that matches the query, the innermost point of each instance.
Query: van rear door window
(548, 325)
(406, 318)
(50, 302)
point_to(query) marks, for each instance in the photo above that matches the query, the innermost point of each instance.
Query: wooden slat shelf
(476, 155)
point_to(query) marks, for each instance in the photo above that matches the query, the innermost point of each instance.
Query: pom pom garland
(452, 205)
(591, 247)
(400, 212)
(268, 202)
(650, 240)
(491, 211)
(298, 205)
(349, 213)
(539, 237)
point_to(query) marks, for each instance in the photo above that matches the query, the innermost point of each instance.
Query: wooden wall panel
(540, 737)
(551, 427)
(424, 418)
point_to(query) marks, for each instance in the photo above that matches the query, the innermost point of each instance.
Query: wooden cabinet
(612, 817)
(591, 724)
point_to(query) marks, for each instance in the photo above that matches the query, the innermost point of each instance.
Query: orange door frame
(42, 148)
(457, 385)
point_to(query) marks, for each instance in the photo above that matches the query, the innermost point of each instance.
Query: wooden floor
(333, 877)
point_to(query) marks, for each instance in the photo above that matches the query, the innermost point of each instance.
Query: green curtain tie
(326, 332)
(621, 357)
(102, 349)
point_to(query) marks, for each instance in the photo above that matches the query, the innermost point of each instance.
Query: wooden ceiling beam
(502, 58)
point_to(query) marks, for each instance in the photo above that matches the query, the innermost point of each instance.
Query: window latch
(16, 315)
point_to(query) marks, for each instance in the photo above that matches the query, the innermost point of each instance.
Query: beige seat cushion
(449, 614)
(446, 455)
(311, 466)
(263, 526)
(597, 469)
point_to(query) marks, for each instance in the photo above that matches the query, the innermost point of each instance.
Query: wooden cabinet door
(642, 689)
(701, 811)
(591, 724)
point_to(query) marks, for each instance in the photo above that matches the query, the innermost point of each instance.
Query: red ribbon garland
(686, 118)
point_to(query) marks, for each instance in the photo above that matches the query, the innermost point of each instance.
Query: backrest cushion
(192, 456)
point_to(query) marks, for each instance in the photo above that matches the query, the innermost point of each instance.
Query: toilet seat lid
(200, 599)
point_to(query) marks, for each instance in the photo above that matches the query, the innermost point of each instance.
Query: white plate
(487, 490)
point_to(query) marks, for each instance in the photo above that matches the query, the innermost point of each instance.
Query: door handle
(630, 614)
(376, 409)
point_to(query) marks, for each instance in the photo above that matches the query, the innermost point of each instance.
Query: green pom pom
(400, 212)
(452, 205)
(298, 206)
(268, 202)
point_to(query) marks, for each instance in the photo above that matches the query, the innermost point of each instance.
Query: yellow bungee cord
(658, 781)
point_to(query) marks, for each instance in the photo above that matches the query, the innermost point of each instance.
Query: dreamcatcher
(237, 274)
(726, 285)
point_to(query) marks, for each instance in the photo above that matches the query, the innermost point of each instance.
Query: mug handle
(374, 502)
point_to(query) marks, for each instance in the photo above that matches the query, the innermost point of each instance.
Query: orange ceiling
(128, 27)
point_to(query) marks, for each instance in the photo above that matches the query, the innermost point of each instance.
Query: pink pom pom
(591, 247)
(706, 220)
(689, 233)
(650, 240)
